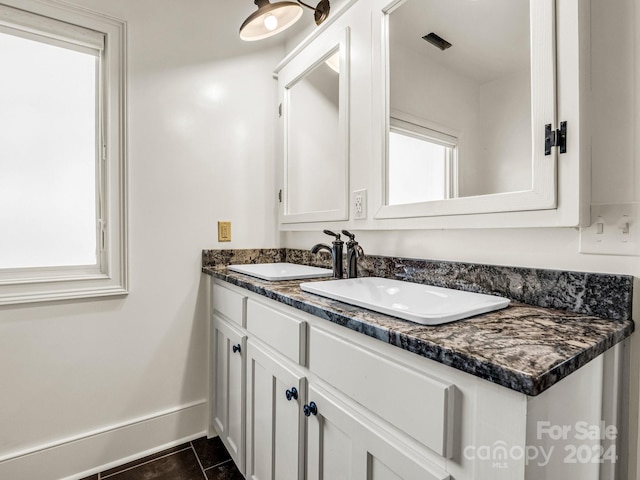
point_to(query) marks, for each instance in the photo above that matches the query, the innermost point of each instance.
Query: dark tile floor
(201, 459)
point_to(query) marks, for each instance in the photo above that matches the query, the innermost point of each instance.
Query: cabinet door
(342, 445)
(228, 409)
(306, 84)
(275, 427)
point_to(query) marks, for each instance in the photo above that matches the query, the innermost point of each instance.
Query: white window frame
(417, 128)
(57, 20)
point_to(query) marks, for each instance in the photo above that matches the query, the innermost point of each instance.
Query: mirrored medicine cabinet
(455, 115)
(468, 89)
(314, 90)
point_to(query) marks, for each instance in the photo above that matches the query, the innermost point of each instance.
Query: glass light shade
(255, 28)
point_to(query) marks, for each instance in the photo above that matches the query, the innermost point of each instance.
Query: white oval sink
(418, 303)
(280, 271)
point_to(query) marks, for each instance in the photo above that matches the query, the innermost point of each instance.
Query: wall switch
(614, 230)
(360, 204)
(224, 231)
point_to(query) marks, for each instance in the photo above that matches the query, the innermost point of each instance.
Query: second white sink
(280, 271)
(418, 303)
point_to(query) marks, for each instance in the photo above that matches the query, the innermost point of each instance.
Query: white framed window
(63, 182)
(422, 164)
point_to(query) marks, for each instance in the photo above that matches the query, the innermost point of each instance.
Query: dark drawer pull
(311, 409)
(236, 348)
(292, 394)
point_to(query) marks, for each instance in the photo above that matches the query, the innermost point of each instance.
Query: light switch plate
(614, 230)
(224, 231)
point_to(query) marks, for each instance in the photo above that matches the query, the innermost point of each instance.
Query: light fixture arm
(305, 5)
(320, 12)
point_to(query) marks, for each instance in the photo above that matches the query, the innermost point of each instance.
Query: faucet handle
(349, 234)
(329, 232)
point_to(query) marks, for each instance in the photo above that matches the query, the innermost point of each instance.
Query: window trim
(110, 275)
(410, 126)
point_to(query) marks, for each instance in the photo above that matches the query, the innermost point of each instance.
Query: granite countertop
(523, 347)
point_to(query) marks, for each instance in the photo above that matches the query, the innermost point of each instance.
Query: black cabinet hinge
(280, 196)
(279, 110)
(555, 138)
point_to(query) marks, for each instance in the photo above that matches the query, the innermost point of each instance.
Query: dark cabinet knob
(311, 409)
(236, 348)
(292, 394)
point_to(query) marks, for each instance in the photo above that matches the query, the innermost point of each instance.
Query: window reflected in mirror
(424, 166)
(459, 66)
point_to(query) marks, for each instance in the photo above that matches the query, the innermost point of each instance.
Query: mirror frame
(543, 194)
(295, 69)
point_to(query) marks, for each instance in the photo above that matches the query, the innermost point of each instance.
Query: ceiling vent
(437, 41)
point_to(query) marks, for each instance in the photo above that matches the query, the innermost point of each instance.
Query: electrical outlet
(224, 231)
(360, 204)
(614, 230)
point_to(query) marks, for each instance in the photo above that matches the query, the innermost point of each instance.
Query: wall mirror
(468, 88)
(315, 123)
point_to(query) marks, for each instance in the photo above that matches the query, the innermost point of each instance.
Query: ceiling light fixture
(272, 18)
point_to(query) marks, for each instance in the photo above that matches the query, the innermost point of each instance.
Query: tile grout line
(218, 464)
(100, 477)
(198, 460)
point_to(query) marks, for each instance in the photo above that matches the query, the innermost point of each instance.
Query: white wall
(201, 147)
(505, 130)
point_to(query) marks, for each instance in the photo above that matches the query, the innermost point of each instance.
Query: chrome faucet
(335, 250)
(354, 251)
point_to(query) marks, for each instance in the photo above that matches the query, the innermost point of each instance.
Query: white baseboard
(91, 452)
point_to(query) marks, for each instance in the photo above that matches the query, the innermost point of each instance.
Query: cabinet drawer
(417, 404)
(286, 334)
(229, 304)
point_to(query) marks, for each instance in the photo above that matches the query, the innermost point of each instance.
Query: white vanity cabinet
(304, 398)
(339, 441)
(228, 345)
(276, 391)
(343, 445)
(361, 404)
(291, 438)
(228, 416)
(275, 424)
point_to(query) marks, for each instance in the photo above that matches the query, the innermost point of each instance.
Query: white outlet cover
(360, 204)
(611, 220)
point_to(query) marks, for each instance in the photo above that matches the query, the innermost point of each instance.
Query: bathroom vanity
(304, 387)
(307, 387)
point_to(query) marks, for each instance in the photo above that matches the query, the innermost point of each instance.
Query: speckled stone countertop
(527, 348)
